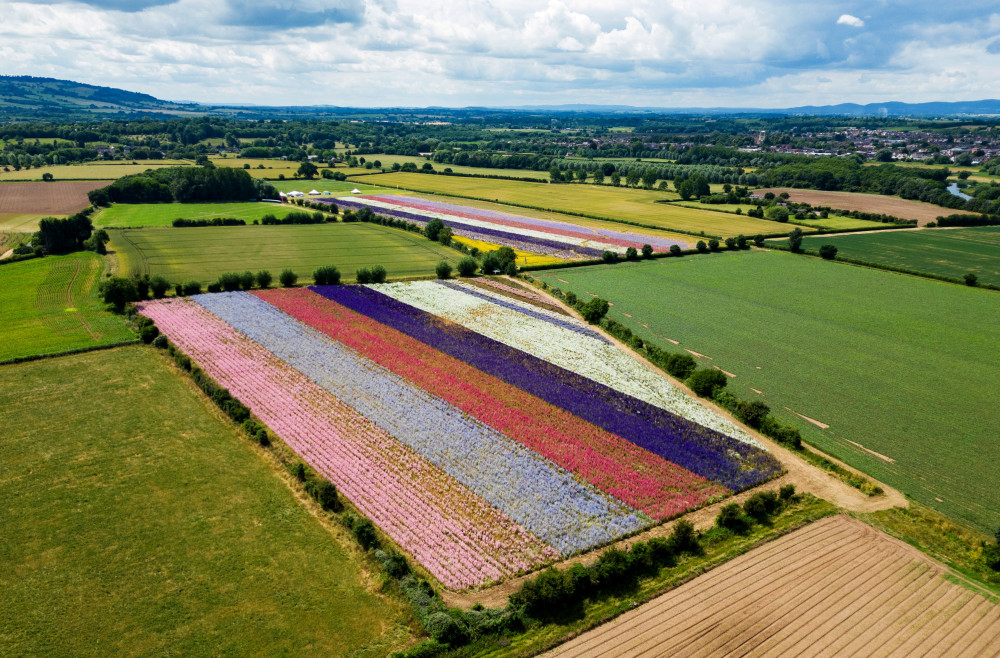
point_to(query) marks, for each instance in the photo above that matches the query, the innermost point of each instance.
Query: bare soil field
(890, 205)
(836, 587)
(55, 198)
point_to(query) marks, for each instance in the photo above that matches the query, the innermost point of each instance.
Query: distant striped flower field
(486, 436)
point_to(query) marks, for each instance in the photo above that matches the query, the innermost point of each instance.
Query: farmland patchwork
(460, 422)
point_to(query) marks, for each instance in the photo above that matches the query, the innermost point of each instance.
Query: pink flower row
(456, 535)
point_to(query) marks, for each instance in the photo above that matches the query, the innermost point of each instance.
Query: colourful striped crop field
(543, 236)
(479, 453)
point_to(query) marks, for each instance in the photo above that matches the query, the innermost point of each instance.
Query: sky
(456, 53)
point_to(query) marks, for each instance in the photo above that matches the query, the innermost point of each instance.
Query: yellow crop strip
(523, 257)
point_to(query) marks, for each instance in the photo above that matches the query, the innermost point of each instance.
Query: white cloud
(853, 21)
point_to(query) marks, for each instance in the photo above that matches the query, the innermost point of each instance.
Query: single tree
(443, 270)
(795, 240)
(307, 170)
(288, 278)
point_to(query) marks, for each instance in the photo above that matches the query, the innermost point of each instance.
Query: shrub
(299, 472)
(178, 289)
(229, 281)
(795, 241)
(741, 242)
(828, 252)
(631, 253)
(378, 274)
(701, 247)
(971, 279)
(704, 382)
(446, 629)
(786, 492)
(713, 245)
(159, 286)
(325, 493)
(443, 270)
(444, 236)
(215, 287)
(680, 365)
(730, 243)
(647, 251)
(467, 266)
(287, 278)
(329, 275)
(148, 333)
(433, 229)
(991, 556)
(684, 539)
(160, 342)
(118, 291)
(761, 505)
(571, 298)
(363, 275)
(731, 518)
(609, 257)
(594, 310)
(263, 279)
(758, 240)
(364, 532)
(753, 413)
(511, 269)
(262, 437)
(246, 280)
(192, 288)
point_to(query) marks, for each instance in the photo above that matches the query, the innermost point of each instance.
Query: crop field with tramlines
(861, 361)
(485, 435)
(203, 253)
(51, 305)
(163, 214)
(104, 171)
(616, 203)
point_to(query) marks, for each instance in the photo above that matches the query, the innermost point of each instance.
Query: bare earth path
(836, 587)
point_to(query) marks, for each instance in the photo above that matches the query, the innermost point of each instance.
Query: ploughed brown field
(889, 205)
(834, 588)
(55, 198)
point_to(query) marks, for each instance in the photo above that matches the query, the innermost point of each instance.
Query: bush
(701, 247)
(446, 629)
(991, 556)
(215, 287)
(328, 275)
(741, 242)
(363, 275)
(262, 438)
(229, 281)
(971, 279)
(263, 279)
(684, 539)
(631, 253)
(246, 280)
(704, 382)
(731, 518)
(786, 492)
(433, 229)
(647, 251)
(118, 291)
(753, 413)
(192, 288)
(680, 365)
(675, 250)
(609, 257)
(299, 472)
(287, 278)
(758, 240)
(443, 270)
(761, 506)
(594, 310)
(160, 342)
(378, 274)
(795, 241)
(713, 245)
(828, 252)
(159, 286)
(467, 266)
(444, 236)
(730, 243)
(325, 493)
(364, 532)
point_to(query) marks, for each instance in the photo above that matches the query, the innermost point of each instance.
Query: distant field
(51, 305)
(56, 198)
(20, 222)
(832, 223)
(272, 167)
(603, 201)
(137, 522)
(163, 214)
(91, 170)
(836, 587)
(905, 394)
(326, 185)
(948, 252)
(387, 161)
(202, 254)
(876, 203)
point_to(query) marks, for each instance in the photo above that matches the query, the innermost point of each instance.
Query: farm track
(836, 587)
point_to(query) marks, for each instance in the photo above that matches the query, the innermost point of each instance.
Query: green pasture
(202, 254)
(163, 214)
(947, 252)
(831, 223)
(108, 170)
(615, 203)
(51, 305)
(901, 369)
(137, 521)
(387, 160)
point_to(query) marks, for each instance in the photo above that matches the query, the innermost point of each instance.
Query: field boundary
(81, 350)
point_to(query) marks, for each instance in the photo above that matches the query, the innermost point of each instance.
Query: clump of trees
(184, 184)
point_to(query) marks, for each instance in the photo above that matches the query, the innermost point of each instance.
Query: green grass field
(948, 252)
(137, 521)
(601, 201)
(903, 366)
(387, 161)
(202, 254)
(163, 214)
(50, 305)
(108, 170)
(831, 223)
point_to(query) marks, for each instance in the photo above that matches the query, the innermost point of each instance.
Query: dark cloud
(282, 16)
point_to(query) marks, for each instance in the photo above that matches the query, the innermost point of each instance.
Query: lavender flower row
(544, 498)
(506, 302)
(662, 243)
(706, 452)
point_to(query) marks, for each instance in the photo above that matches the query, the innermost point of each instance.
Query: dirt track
(836, 587)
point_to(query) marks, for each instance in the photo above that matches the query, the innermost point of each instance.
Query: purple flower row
(708, 453)
(521, 308)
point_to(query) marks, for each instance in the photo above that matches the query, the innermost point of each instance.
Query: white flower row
(588, 357)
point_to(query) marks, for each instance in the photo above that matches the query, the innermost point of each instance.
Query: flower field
(438, 410)
(517, 231)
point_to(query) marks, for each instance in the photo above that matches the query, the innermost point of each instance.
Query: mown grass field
(831, 223)
(108, 170)
(875, 203)
(601, 201)
(202, 254)
(163, 214)
(901, 369)
(137, 521)
(948, 252)
(51, 304)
